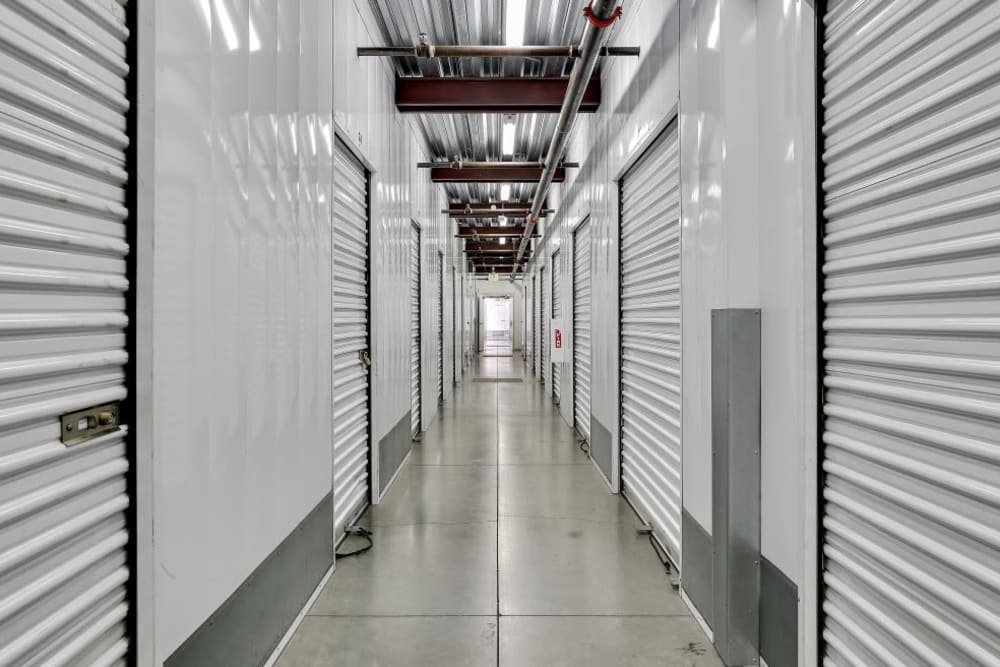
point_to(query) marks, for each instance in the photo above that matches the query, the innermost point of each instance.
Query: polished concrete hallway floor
(499, 543)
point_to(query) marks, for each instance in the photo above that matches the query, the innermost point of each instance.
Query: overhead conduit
(601, 14)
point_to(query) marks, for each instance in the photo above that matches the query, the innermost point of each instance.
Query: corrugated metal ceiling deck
(476, 136)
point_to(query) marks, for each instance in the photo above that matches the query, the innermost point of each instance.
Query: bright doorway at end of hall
(496, 333)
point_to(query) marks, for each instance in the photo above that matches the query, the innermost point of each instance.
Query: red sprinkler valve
(588, 11)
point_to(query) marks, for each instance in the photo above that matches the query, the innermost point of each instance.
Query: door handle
(366, 360)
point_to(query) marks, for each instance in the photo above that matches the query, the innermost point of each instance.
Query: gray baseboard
(697, 567)
(779, 617)
(392, 451)
(245, 629)
(601, 447)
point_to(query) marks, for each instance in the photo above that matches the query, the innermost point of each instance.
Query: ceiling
(476, 136)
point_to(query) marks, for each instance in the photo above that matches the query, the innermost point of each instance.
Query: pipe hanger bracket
(601, 23)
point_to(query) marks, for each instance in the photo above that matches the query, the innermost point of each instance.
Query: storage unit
(582, 305)
(415, 416)
(543, 329)
(556, 313)
(651, 339)
(911, 296)
(351, 419)
(64, 534)
(439, 320)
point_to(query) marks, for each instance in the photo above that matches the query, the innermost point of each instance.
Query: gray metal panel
(779, 617)
(350, 339)
(245, 629)
(651, 339)
(911, 292)
(601, 448)
(697, 577)
(582, 308)
(736, 482)
(415, 416)
(392, 451)
(63, 530)
(556, 313)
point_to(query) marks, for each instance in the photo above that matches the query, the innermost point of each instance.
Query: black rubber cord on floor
(358, 531)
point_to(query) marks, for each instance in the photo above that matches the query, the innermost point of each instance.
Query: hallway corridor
(499, 542)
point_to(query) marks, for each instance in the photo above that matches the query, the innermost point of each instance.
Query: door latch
(84, 425)
(366, 360)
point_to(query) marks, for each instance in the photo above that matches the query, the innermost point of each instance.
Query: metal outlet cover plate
(84, 425)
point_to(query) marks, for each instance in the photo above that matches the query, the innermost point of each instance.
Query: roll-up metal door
(532, 325)
(414, 331)
(651, 339)
(350, 341)
(63, 175)
(911, 325)
(543, 337)
(581, 328)
(440, 329)
(556, 313)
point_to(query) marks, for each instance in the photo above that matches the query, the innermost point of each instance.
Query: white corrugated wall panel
(63, 532)
(582, 308)
(651, 339)
(556, 313)
(351, 421)
(414, 331)
(910, 460)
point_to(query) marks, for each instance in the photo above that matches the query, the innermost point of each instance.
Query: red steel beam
(488, 246)
(506, 175)
(472, 232)
(489, 95)
(461, 207)
(492, 261)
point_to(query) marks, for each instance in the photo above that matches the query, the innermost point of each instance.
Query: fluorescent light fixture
(503, 240)
(505, 192)
(502, 219)
(514, 22)
(507, 136)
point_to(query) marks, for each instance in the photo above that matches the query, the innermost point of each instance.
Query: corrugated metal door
(556, 313)
(651, 339)
(414, 331)
(63, 530)
(532, 324)
(543, 337)
(581, 329)
(440, 330)
(350, 340)
(910, 458)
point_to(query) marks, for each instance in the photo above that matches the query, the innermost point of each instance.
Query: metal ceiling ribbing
(476, 136)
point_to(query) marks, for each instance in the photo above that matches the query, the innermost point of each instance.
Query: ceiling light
(502, 219)
(503, 240)
(507, 139)
(514, 22)
(505, 192)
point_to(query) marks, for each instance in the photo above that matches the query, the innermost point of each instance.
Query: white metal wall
(582, 308)
(351, 423)
(651, 339)
(556, 290)
(911, 466)
(63, 533)
(414, 331)
(439, 331)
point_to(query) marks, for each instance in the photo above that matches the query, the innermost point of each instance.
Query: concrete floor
(499, 543)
